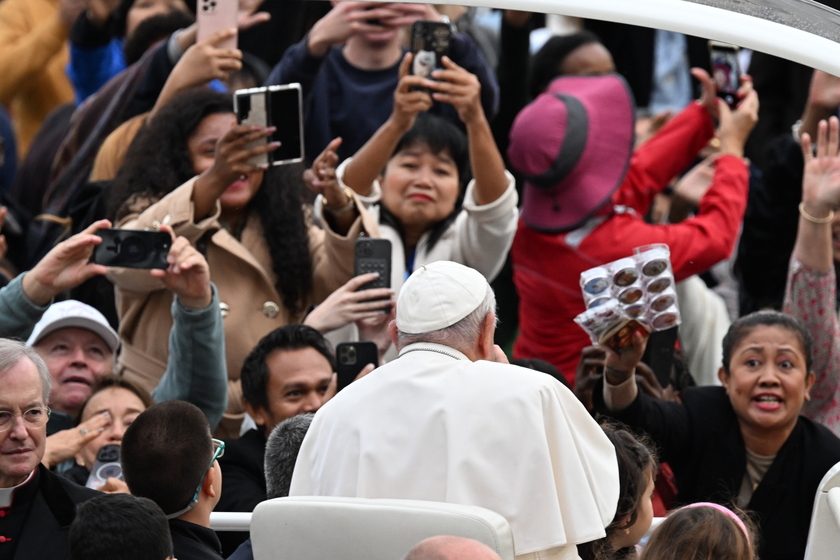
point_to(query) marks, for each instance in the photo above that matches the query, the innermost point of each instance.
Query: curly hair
(279, 206)
(158, 161)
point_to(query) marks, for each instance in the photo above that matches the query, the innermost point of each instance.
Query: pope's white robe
(432, 425)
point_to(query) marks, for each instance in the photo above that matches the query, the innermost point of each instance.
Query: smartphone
(351, 358)
(107, 465)
(726, 71)
(131, 248)
(429, 42)
(280, 106)
(216, 15)
(373, 255)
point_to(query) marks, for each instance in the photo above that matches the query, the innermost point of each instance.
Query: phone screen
(285, 115)
(726, 71)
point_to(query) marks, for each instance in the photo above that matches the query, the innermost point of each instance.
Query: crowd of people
(134, 402)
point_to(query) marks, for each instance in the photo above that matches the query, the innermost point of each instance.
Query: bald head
(451, 548)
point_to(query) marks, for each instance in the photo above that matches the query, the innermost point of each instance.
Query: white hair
(12, 351)
(462, 335)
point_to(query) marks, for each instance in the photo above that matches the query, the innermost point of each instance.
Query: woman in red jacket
(586, 193)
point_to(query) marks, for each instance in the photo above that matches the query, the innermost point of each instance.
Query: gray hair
(12, 351)
(281, 452)
(463, 334)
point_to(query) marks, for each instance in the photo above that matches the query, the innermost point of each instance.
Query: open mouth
(78, 379)
(768, 402)
(242, 181)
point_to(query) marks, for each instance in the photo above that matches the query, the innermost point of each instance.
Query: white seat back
(310, 527)
(824, 535)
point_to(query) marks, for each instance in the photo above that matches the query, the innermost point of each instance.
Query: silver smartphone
(279, 106)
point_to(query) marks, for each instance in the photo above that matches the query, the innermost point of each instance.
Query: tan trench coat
(243, 274)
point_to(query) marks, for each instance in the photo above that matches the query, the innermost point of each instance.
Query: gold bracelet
(351, 202)
(812, 219)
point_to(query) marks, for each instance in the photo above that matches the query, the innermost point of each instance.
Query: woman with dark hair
(269, 263)
(746, 442)
(415, 175)
(580, 53)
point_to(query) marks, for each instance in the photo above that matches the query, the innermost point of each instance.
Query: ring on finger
(83, 431)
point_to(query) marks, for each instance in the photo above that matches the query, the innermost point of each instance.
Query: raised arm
(230, 163)
(820, 198)
(200, 64)
(196, 370)
(463, 91)
(370, 160)
(810, 295)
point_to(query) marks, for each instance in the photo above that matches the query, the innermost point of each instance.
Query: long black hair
(438, 135)
(158, 161)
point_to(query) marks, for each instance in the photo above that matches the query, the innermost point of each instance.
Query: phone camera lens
(347, 355)
(111, 470)
(133, 249)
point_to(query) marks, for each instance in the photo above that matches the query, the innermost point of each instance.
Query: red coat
(547, 267)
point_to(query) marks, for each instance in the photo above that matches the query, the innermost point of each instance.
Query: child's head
(701, 531)
(637, 468)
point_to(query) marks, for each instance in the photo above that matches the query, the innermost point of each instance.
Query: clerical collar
(434, 347)
(7, 495)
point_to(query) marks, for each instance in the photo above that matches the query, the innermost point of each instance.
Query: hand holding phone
(351, 358)
(129, 248)
(373, 255)
(107, 465)
(277, 107)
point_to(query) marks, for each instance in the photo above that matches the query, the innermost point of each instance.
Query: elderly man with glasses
(169, 457)
(36, 506)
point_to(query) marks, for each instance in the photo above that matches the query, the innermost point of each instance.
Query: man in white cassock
(451, 421)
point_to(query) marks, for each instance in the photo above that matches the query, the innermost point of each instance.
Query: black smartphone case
(373, 255)
(351, 357)
(128, 248)
(429, 42)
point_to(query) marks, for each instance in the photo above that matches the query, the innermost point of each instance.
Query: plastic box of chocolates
(632, 293)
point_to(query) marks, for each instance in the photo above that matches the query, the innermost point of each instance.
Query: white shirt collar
(7, 495)
(436, 348)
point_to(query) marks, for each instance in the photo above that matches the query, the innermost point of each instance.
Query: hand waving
(821, 180)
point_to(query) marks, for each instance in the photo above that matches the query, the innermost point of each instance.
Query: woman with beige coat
(269, 263)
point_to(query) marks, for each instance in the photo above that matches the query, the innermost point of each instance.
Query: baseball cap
(72, 313)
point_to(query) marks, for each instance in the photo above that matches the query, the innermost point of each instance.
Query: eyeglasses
(218, 451)
(33, 418)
